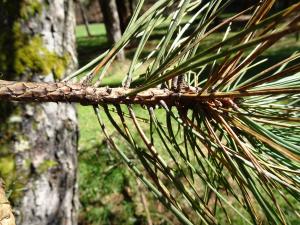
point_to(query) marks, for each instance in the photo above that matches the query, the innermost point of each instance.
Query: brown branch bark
(87, 95)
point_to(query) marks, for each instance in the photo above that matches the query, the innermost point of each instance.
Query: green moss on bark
(30, 8)
(46, 165)
(23, 55)
(15, 177)
(7, 165)
(27, 55)
(34, 58)
(15, 181)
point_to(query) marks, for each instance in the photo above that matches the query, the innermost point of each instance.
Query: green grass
(89, 47)
(108, 190)
(103, 180)
(89, 131)
(96, 29)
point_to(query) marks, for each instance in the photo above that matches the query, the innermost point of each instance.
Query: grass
(108, 191)
(90, 47)
(97, 29)
(102, 181)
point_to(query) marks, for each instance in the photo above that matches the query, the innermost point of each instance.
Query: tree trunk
(112, 23)
(84, 17)
(124, 13)
(39, 142)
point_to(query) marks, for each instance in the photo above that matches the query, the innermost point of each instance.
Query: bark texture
(88, 95)
(38, 44)
(112, 23)
(64, 92)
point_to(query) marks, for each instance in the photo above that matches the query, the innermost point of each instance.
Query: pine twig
(88, 95)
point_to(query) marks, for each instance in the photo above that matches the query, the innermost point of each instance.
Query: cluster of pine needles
(237, 151)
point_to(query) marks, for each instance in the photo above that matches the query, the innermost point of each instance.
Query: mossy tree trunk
(38, 142)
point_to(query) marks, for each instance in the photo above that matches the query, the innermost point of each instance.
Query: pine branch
(88, 95)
